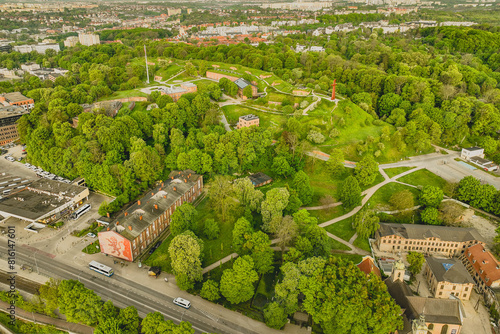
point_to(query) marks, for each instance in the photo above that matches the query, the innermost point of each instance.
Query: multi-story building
(448, 277)
(40, 48)
(133, 231)
(17, 99)
(9, 115)
(247, 121)
(173, 11)
(431, 240)
(88, 39)
(482, 266)
(71, 41)
(176, 92)
(242, 84)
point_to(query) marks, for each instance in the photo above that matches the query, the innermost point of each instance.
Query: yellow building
(431, 240)
(448, 277)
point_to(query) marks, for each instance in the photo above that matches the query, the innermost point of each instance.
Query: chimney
(140, 217)
(152, 194)
(126, 214)
(162, 185)
(107, 214)
(172, 177)
(185, 181)
(130, 227)
(139, 202)
(107, 229)
(117, 223)
(156, 206)
(179, 172)
(175, 189)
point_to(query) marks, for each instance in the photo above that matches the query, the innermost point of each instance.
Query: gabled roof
(486, 265)
(259, 178)
(242, 83)
(367, 265)
(449, 270)
(444, 233)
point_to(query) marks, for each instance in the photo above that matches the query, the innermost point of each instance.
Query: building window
(441, 293)
(466, 288)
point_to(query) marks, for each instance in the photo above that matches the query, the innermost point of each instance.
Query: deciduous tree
(237, 283)
(350, 193)
(186, 251)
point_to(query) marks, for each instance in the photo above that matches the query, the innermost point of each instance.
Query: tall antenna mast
(147, 70)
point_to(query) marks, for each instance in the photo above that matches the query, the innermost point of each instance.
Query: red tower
(333, 88)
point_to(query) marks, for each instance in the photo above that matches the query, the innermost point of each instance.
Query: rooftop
(259, 178)
(367, 265)
(444, 233)
(486, 265)
(473, 148)
(145, 211)
(9, 111)
(15, 97)
(242, 83)
(449, 270)
(249, 117)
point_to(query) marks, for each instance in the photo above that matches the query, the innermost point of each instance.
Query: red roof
(484, 263)
(368, 266)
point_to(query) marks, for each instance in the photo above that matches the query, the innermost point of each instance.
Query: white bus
(81, 211)
(101, 268)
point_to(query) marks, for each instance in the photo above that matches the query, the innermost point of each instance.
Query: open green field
(391, 172)
(123, 94)
(423, 177)
(169, 71)
(381, 197)
(267, 120)
(342, 229)
(327, 214)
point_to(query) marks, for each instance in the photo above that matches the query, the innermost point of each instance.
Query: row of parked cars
(41, 173)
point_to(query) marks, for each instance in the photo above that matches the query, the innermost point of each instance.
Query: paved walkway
(220, 262)
(58, 323)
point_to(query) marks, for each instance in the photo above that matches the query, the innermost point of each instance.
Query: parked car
(91, 235)
(182, 302)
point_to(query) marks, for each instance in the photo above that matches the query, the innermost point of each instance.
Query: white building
(71, 41)
(40, 48)
(471, 152)
(88, 39)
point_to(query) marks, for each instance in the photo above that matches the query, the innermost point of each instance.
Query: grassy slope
(423, 177)
(391, 172)
(381, 197)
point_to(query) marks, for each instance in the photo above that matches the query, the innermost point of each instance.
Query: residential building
(42, 201)
(423, 315)
(448, 277)
(431, 240)
(470, 152)
(484, 164)
(88, 39)
(71, 41)
(242, 84)
(30, 66)
(176, 92)
(173, 11)
(260, 179)
(17, 99)
(40, 48)
(9, 115)
(482, 266)
(247, 121)
(134, 230)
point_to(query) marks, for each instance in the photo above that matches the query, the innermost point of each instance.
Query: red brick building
(482, 266)
(134, 230)
(17, 99)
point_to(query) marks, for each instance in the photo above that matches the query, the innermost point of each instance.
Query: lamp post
(36, 263)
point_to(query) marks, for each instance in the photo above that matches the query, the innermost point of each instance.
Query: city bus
(81, 211)
(101, 268)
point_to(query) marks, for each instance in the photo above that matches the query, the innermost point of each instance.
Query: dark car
(154, 247)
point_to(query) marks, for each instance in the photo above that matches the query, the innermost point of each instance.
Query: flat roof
(242, 83)
(249, 117)
(15, 97)
(473, 148)
(9, 111)
(57, 188)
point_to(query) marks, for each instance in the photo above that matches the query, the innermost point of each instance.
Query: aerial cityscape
(253, 167)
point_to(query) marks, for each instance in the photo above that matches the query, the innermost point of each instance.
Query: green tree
(48, 294)
(78, 303)
(129, 320)
(211, 229)
(183, 219)
(274, 316)
(431, 196)
(236, 284)
(416, 261)
(274, 204)
(366, 223)
(261, 252)
(247, 91)
(303, 187)
(210, 290)
(402, 200)
(109, 326)
(430, 216)
(247, 195)
(221, 196)
(350, 193)
(366, 170)
(468, 188)
(190, 69)
(335, 163)
(186, 251)
(281, 166)
(241, 232)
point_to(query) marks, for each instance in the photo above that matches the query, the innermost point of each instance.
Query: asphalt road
(124, 293)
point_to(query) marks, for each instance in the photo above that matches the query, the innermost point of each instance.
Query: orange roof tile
(485, 263)
(367, 266)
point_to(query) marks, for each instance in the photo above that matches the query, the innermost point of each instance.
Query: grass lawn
(169, 71)
(362, 243)
(381, 197)
(327, 214)
(337, 245)
(267, 120)
(391, 172)
(160, 257)
(92, 248)
(342, 229)
(423, 177)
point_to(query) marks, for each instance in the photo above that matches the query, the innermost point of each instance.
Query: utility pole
(147, 70)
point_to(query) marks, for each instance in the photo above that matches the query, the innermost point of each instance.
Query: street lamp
(36, 263)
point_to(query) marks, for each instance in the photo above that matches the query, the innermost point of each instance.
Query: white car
(27, 165)
(11, 159)
(91, 235)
